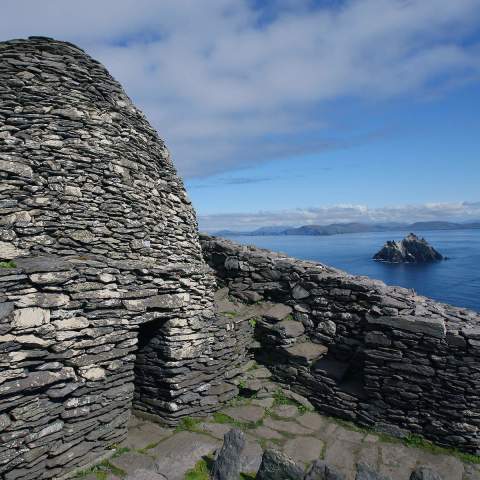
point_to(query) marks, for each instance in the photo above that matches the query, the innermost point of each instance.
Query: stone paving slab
(180, 452)
(303, 436)
(130, 462)
(144, 434)
(247, 413)
(303, 449)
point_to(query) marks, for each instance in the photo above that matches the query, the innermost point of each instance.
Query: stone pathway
(152, 452)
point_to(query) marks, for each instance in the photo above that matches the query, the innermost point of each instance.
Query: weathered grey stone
(365, 472)
(227, 462)
(303, 449)
(277, 466)
(425, 473)
(278, 312)
(319, 470)
(143, 474)
(306, 352)
(15, 166)
(248, 413)
(430, 326)
(30, 317)
(44, 300)
(178, 454)
(132, 462)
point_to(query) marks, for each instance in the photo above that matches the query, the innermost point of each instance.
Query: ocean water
(455, 281)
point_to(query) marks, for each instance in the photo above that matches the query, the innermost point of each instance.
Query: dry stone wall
(108, 302)
(381, 356)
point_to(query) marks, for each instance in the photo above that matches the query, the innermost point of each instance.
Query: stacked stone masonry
(107, 300)
(380, 356)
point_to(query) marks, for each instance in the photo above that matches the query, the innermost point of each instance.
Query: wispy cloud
(461, 211)
(229, 84)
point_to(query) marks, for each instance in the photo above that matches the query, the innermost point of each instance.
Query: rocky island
(411, 249)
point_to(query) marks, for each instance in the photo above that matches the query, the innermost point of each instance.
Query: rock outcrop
(410, 250)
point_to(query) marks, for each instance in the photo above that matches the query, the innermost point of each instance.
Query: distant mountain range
(339, 228)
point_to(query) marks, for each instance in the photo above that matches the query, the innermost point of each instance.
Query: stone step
(305, 353)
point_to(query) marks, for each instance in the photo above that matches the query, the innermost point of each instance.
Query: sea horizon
(454, 281)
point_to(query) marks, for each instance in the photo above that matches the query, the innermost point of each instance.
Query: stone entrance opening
(151, 392)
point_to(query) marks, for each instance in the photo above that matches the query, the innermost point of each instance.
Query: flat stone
(217, 430)
(260, 373)
(290, 328)
(45, 300)
(130, 462)
(145, 434)
(397, 460)
(349, 435)
(278, 312)
(180, 452)
(263, 402)
(303, 449)
(306, 352)
(431, 326)
(14, 165)
(450, 467)
(297, 398)
(144, 475)
(288, 427)
(247, 413)
(312, 421)
(36, 380)
(30, 317)
(52, 278)
(286, 411)
(266, 433)
(43, 264)
(341, 455)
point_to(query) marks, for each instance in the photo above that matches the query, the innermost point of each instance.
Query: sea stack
(410, 250)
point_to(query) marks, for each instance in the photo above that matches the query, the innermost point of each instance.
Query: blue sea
(455, 281)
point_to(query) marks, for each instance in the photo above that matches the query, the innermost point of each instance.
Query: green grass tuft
(120, 451)
(8, 264)
(280, 399)
(230, 314)
(102, 471)
(253, 322)
(188, 424)
(198, 472)
(222, 418)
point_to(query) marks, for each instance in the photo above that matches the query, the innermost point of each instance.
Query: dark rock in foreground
(227, 463)
(410, 250)
(277, 466)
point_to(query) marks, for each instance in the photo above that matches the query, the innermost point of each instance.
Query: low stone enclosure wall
(380, 356)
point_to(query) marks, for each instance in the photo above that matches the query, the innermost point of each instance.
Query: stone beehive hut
(105, 262)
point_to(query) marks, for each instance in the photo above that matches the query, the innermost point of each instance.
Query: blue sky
(295, 111)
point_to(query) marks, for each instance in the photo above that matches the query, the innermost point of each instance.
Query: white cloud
(225, 92)
(459, 211)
